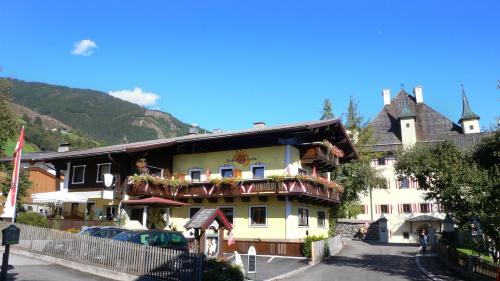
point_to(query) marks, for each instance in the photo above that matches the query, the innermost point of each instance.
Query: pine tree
(327, 112)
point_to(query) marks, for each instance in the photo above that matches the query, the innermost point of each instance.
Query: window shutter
(390, 208)
(413, 210)
(397, 184)
(377, 207)
(429, 207)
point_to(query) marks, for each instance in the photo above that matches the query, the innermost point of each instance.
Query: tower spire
(467, 113)
(406, 111)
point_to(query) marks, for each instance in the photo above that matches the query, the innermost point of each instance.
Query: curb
(345, 242)
(94, 270)
(425, 271)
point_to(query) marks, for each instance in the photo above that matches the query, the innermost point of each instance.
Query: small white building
(404, 121)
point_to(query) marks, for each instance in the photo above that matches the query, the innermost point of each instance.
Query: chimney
(193, 129)
(419, 95)
(386, 93)
(259, 124)
(63, 147)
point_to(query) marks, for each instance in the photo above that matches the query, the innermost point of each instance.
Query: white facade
(471, 126)
(398, 194)
(408, 132)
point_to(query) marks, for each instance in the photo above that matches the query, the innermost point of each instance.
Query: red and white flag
(9, 210)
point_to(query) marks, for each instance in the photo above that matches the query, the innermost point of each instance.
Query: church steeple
(406, 111)
(469, 120)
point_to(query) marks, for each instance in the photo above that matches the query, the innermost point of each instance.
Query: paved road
(23, 268)
(362, 261)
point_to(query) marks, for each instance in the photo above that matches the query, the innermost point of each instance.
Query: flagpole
(15, 173)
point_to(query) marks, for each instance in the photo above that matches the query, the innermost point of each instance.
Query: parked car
(156, 238)
(102, 231)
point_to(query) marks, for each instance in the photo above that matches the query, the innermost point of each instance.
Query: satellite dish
(108, 180)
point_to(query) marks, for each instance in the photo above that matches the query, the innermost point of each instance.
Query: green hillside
(27, 148)
(96, 114)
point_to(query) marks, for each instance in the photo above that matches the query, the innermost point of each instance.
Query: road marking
(269, 260)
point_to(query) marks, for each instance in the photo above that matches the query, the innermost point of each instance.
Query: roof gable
(430, 124)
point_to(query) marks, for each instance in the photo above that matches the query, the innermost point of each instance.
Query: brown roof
(431, 126)
(151, 144)
(204, 217)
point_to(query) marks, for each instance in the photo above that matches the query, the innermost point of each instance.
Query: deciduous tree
(8, 122)
(466, 185)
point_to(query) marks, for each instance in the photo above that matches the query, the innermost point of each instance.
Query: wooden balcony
(319, 157)
(304, 190)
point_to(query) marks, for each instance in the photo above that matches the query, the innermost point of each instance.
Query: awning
(424, 218)
(155, 201)
(58, 197)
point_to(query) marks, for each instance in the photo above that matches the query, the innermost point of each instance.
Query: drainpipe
(371, 205)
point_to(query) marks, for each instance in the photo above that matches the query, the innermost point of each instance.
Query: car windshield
(124, 236)
(89, 231)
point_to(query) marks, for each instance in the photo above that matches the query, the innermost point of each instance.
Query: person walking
(423, 241)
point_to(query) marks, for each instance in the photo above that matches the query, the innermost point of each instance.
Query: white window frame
(73, 174)
(257, 166)
(403, 208)
(234, 211)
(193, 207)
(317, 222)
(298, 217)
(195, 170)
(225, 168)
(99, 170)
(250, 216)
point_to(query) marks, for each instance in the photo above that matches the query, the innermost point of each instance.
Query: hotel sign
(241, 157)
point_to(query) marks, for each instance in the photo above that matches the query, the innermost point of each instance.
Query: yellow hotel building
(271, 182)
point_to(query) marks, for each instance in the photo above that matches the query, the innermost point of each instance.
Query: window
(195, 174)
(193, 211)
(404, 183)
(74, 209)
(226, 172)
(258, 216)
(90, 209)
(111, 212)
(424, 208)
(78, 174)
(229, 213)
(257, 171)
(321, 218)
(406, 208)
(101, 170)
(471, 127)
(407, 125)
(384, 209)
(136, 214)
(381, 161)
(406, 235)
(303, 217)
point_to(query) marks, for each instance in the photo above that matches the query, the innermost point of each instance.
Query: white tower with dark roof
(469, 120)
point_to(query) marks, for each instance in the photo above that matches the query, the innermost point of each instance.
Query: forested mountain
(94, 114)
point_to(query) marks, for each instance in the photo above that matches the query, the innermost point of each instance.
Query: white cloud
(84, 48)
(136, 96)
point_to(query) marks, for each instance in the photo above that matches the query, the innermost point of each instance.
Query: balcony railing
(312, 187)
(321, 157)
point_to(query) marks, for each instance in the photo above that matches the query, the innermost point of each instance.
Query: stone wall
(348, 227)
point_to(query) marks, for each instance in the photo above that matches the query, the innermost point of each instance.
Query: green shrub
(32, 218)
(217, 270)
(306, 250)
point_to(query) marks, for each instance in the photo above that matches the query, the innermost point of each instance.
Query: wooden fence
(125, 257)
(319, 248)
(470, 264)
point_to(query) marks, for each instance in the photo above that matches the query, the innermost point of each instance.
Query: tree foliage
(24, 184)
(466, 185)
(358, 176)
(327, 112)
(8, 124)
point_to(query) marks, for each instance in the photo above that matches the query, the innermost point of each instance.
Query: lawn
(27, 148)
(472, 253)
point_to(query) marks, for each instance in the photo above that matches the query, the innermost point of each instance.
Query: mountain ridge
(95, 114)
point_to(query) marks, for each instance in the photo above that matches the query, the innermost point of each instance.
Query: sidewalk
(439, 270)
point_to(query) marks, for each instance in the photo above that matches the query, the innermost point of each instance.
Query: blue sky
(226, 64)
